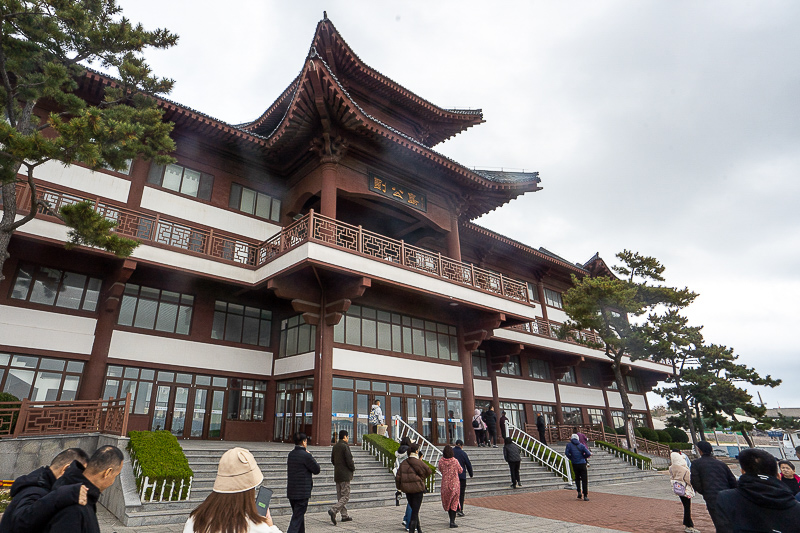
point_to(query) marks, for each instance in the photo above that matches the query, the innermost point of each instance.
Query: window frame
(205, 182)
(236, 197)
(261, 335)
(38, 275)
(544, 364)
(181, 305)
(553, 298)
(38, 372)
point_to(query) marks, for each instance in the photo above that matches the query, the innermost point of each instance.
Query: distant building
(296, 268)
(790, 412)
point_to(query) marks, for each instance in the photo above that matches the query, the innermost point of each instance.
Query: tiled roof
(506, 176)
(793, 412)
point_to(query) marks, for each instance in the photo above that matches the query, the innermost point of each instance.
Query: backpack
(476, 424)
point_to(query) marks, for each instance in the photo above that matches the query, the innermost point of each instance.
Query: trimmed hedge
(160, 458)
(387, 447)
(681, 445)
(663, 436)
(649, 434)
(623, 451)
(677, 435)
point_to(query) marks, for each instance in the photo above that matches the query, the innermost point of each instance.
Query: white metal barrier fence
(540, 452)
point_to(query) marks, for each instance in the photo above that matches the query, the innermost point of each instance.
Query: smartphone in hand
(263, 497)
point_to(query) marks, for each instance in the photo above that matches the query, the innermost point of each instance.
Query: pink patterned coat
(450, 489)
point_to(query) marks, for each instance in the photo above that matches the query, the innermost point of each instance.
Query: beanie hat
(704, 447)
(574, 436)
(237, 472)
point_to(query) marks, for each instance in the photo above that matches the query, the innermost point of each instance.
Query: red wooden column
(95, 371)
(468, 392)
(453, 240)
(323, 384)
(328, 190)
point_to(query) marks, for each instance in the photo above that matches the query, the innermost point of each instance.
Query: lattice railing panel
(380, 247)
(488, 281)
(456, 271)
(64, 417)
(420, 259)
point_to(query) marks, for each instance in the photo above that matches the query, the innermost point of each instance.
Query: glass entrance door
(294, 402)
(188, 413)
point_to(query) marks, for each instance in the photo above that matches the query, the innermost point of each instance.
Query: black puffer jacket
(511, 453)
(711, 476)
(76, 518)
(490, 418)
(33, 503)
(760, 504)
(299, 471)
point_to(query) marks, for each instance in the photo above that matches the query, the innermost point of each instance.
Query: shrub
(649, 434)
(387, 447)
(8, 421)
(611, 431)
(160, 459)
(681, 445)
(647, 461)
(677, 435)
(663, 436)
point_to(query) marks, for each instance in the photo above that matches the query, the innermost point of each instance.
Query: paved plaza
(634, 507)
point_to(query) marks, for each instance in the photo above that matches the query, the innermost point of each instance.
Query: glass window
(533, 294)
(253, 202)
(297, 337)
(547, 411)
(181, 179)
(511, 367)
(569, 376)
(633, 383)
(39, 378)
(59, 288)
(553, 298)
(240, 323)
(539, 369)
(590, 376)
(374, 328)
(572, 415)
(597, 417)
(148, 308)
(618, 419)
(515, 412)
(246, 400)
(479, 367)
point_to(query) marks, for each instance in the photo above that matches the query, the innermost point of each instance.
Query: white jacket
(252, 528)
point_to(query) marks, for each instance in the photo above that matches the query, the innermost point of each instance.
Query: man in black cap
(709, 477)
(761, 502)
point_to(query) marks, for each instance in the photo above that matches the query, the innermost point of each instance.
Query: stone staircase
(373, 484)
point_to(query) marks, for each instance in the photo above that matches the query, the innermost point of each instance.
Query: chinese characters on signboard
(398, 193)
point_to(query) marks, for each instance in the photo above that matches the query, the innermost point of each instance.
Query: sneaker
(494, 445)
(586, 498)
(579, 496)
(332, 514)
(519, 483)
(691, 530)
(347, 519)
(459, 513)
(453, 524)
(513, 486)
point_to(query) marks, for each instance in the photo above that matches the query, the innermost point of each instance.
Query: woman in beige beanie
(231, 506)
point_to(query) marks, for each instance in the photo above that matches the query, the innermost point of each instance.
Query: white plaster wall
(384, 365)
(557, 315)
(566, 347)
(187, 209)
(482, 387)
(43, 330)
(295, 363)
(523, 389)
(581, 396)
(638, 401)
(169, 351)
(83, 179)
(389, 272)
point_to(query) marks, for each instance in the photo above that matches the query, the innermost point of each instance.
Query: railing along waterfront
(26, 418)
(541, 453)
(562, 432)
(312, 227)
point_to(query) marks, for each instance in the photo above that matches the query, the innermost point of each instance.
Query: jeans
(407, 517)
(298, 521)
(581, 477)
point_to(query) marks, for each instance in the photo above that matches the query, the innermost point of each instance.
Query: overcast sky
(669, 128)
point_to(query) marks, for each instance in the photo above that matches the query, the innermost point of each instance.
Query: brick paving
(620, 512)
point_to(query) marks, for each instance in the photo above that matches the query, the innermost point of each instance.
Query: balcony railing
(313, 227)
(546, 328)
(26, 418)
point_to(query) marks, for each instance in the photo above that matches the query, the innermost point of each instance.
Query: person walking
(399, 456)
(231, 505)
(375, 416)
(450, 469)
(710, 476)
(480, 427)
(343, 469)
(34, 503)
(410, 479)
(541, 427)
(101, 470)
(680, 477)
(512, 457)
(300, 469)
(466, 467)
(503, 425)
(788, 477)
(577, 453)
(490, 418)
(760, 502)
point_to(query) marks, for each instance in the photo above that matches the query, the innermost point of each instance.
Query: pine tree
(44, 47)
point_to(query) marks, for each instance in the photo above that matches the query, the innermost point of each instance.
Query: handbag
(682, 489)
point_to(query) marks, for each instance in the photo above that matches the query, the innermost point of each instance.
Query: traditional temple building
(296, 268)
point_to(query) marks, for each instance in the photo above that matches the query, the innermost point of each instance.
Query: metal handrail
(540, 452)
(427, 450)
